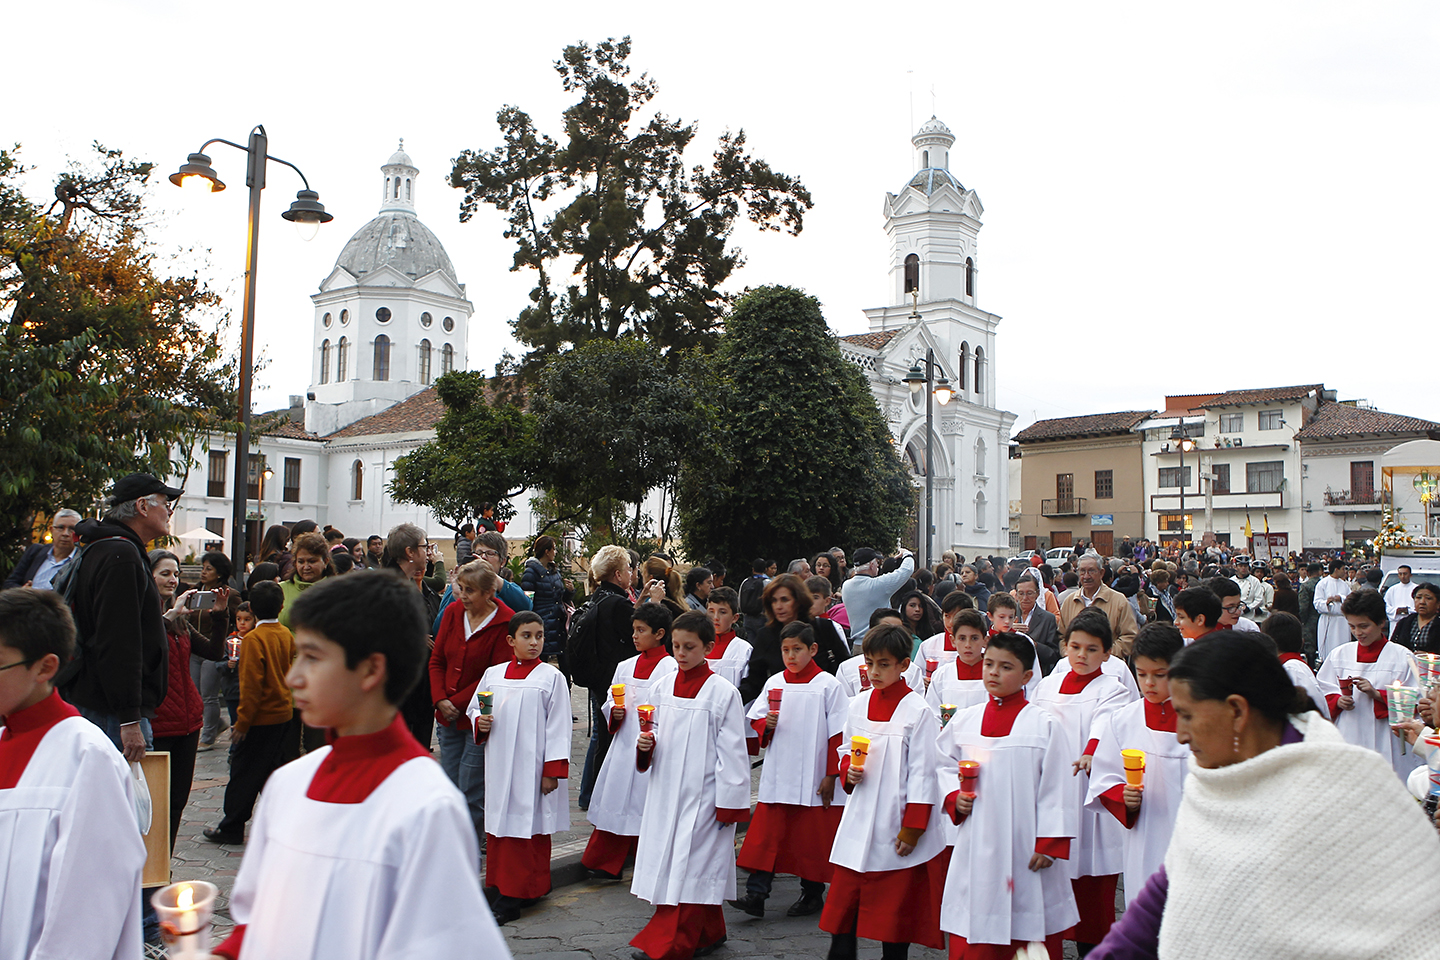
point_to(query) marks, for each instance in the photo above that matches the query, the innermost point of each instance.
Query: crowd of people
(972, 757)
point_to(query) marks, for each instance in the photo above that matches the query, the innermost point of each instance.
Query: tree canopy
(106, 364)
(804, 460)
(623, 237)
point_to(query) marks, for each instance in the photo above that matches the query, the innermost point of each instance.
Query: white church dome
(934, 127)
(933, 178)
(396, 237)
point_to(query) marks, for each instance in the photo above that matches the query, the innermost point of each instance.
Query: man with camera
(117, 677)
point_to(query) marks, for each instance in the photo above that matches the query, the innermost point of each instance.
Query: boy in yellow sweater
(264, 716)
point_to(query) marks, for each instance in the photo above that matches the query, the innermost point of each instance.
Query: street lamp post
(1186, 444)
(307, 213)
(935, 389)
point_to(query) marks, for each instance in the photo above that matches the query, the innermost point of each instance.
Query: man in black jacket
(41, 562)
(118, 675)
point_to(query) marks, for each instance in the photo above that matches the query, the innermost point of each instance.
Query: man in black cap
(868, 591)
(117, 677)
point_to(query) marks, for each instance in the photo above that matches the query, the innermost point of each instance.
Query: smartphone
(200, 600)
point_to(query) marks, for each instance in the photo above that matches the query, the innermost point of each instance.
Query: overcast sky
(1179, 198)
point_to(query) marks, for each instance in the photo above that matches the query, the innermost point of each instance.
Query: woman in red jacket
(472, 638)
(181, 714)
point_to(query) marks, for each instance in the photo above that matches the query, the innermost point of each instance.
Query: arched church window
(912, 273)
(397, 188)
(447, 359)
(357, 481)
(387, 188)
(408, 195)
(979, 456)
(425, 362)
(382, 359)
(325, 362)
(969, 276)
(342, 360)
(925, 159)
(964, 363)
(980, 511)
(979, 371)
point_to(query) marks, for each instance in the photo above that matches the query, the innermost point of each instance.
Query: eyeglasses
(18, 663)
(168, 504)
(487, 553)
(1232, 607)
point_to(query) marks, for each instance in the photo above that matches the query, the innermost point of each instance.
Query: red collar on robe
(1000, 713)
(1160, 716)
(721, 642)
(883, 702)
(358, 764)
(949, 641)
(811, 671)
(689, 682)
(1073, 682)
(520, 669)
(1287, 657)
(1371, 653)
(969, 671)
(23, 732)
(649, 660)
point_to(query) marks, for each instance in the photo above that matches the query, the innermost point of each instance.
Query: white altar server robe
(1360, 726)
(810, 714)
(734, 663)
(849, 676)
(533, 724)
(618, 801)
(1111, 667)
(699, 765)
(1302, 676)
(947, 687)
(1332, 631)
(991, 894)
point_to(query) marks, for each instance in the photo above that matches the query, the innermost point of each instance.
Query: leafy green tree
(804, 459)
(107, 366)
(622, 235)
(484, 451)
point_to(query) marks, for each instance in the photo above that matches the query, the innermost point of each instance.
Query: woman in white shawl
(1290, 844)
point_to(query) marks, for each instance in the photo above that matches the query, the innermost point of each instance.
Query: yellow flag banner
(1249, 531)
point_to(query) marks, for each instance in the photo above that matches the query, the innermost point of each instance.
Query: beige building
(1082, 478)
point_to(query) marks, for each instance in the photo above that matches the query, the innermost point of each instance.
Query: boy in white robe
(699, 772)
(526, 735)
(889, 851)
(794, 823)
(1079, 698)
(1013, 820)
(1289, 636)
(618, 802)
(1197, 613)
(71, 847)
(941, 647)
(363, 849)
(1355, 678)
(961, 683)
(1330, 594)
(1148, 811)
(854, 676)
(1003, 610)
(730, 657)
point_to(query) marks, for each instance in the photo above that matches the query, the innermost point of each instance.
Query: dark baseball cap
(864, 555)
(138, 485)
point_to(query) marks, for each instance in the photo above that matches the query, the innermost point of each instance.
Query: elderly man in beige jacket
(1093, 592)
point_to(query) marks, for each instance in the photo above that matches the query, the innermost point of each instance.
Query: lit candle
(184, 911)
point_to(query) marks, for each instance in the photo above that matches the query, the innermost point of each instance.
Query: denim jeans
(206, 675)
(463, 761)
(599, 746)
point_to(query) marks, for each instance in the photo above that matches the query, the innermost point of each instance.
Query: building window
(969, 277)
(382, 314)
(425, 362)
(357, 481)
(1170, 477)
(342, 360)
(449, 324)
(344, 317)
(1175, 523)
(408, 194)
(447, 359)
(216, 525)
(912, 273)
(1221, 481)
(292, 480)
(1270, 419)
(1362, 481)
(964, 363)
(215, 479)
(1265, 476)
(381, 369)
(325, 362)
(1232, 422)
(979, 456)
(1104, 484)
(980, 511)
(979, 371)
(328, 320)
(426, 319)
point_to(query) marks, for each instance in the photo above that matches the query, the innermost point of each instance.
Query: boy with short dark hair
(942, 648)
(1232, 605)
(68, 837)
(1004, 610)
(730, 657)
(363, 848)
(960, 683)
(854, 675)
(1197, 613)
(1289, 636)
(888, 848)
(1148, 811)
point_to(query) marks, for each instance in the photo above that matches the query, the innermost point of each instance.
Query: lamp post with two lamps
(307, 213)
(936, 388)
(1185, 444)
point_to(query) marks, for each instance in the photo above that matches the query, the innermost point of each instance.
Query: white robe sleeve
(732, 760)
(559, 725)
(1055, 815)
(1106, 767)
(922, 783)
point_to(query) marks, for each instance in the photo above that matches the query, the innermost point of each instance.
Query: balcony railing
(1068, 507)
(1345, 498)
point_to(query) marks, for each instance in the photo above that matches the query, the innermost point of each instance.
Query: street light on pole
(935, 389)
(1186, 444)
(307, 213)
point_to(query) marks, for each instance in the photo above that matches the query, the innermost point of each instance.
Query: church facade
(392, 315)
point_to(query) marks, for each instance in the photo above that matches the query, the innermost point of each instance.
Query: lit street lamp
(925, 377)
(1186, 444)
(307, 213)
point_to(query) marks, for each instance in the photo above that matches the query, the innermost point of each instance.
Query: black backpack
(582, 644)
(65, 583)
(752, 595)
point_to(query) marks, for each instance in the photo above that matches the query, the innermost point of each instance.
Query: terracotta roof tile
(1090, 425)
(1264, 395)
(290, 429)
(1343, 420)
(422, 411)
(871, 341)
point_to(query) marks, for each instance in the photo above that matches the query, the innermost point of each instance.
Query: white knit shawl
(1242, 863)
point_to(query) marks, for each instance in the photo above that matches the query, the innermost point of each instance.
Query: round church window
(426, 319)
(344, 317)
(383, 314)
(327, 320)
(449, 324)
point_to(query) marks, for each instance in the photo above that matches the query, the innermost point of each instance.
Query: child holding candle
(694, 757)
(1079, 697)
(942, 647)
(1012, 821)
(527, 768)
(797, 719)
(1367, 666)
(229, 668)
(961, 683)
(618, 802)
(68, 837)
(1146, 810)
(363, 848)
(854, 675)
(730, 657)
(888, 851)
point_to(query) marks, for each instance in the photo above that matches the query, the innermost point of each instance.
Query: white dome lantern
(932, 145)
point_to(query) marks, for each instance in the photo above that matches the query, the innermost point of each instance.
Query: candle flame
(185, 898)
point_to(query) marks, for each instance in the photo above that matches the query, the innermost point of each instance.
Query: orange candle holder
(775, 694)
(617, 694)
(646, 713)
(969, 777)
(1134, 767)
(864, 677)
(859, 750)
(931, 665)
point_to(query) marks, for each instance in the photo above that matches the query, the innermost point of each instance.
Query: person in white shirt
(866, 591)
(1330, 593)
(1398, 603)
(1252, 591)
